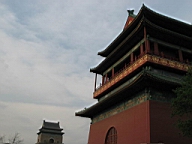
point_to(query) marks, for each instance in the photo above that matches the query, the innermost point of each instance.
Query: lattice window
(111, 137)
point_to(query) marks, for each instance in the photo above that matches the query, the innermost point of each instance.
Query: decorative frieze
(121, 107)
(149, 95)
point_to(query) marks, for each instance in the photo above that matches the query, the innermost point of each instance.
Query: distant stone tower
(50, 133)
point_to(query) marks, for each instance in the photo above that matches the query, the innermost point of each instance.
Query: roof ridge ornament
(130, 18)
(131, 12)
(143, 5)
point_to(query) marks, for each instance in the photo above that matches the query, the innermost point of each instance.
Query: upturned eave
(131, 86)
(168, 22)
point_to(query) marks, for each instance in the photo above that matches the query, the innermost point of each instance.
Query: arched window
(111, 137)
(51, 140)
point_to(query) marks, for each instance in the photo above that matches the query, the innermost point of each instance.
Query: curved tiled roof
(132, 85)
(50, 127)
(108, 61)
(162, 20)
(134, 33)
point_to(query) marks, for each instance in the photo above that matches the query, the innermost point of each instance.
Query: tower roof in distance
(50, 127)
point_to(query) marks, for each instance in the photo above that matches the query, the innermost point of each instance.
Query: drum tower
(141, 68)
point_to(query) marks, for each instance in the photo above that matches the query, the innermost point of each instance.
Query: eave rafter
(167, 31)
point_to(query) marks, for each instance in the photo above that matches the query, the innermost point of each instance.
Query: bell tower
(50, 132)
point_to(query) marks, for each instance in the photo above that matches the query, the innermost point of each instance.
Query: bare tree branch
(2, 139)
(13, 140)
(16, 139)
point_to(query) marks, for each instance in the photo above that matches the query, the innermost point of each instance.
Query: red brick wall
(132, 126)
(135, 126)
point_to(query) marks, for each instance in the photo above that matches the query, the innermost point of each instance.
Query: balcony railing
(141, 60)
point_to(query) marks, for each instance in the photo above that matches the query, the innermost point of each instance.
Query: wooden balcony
(138, 63)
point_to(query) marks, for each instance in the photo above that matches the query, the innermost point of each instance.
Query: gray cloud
(47, 48)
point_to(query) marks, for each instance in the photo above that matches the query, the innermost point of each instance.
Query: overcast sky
(46, 50)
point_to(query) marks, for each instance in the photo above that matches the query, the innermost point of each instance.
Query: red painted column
(141, 50)
(145, 38)
(103, 79)
(113, 72)
(180, 55)
(131, 58)
(156, 48)
(147, 44)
